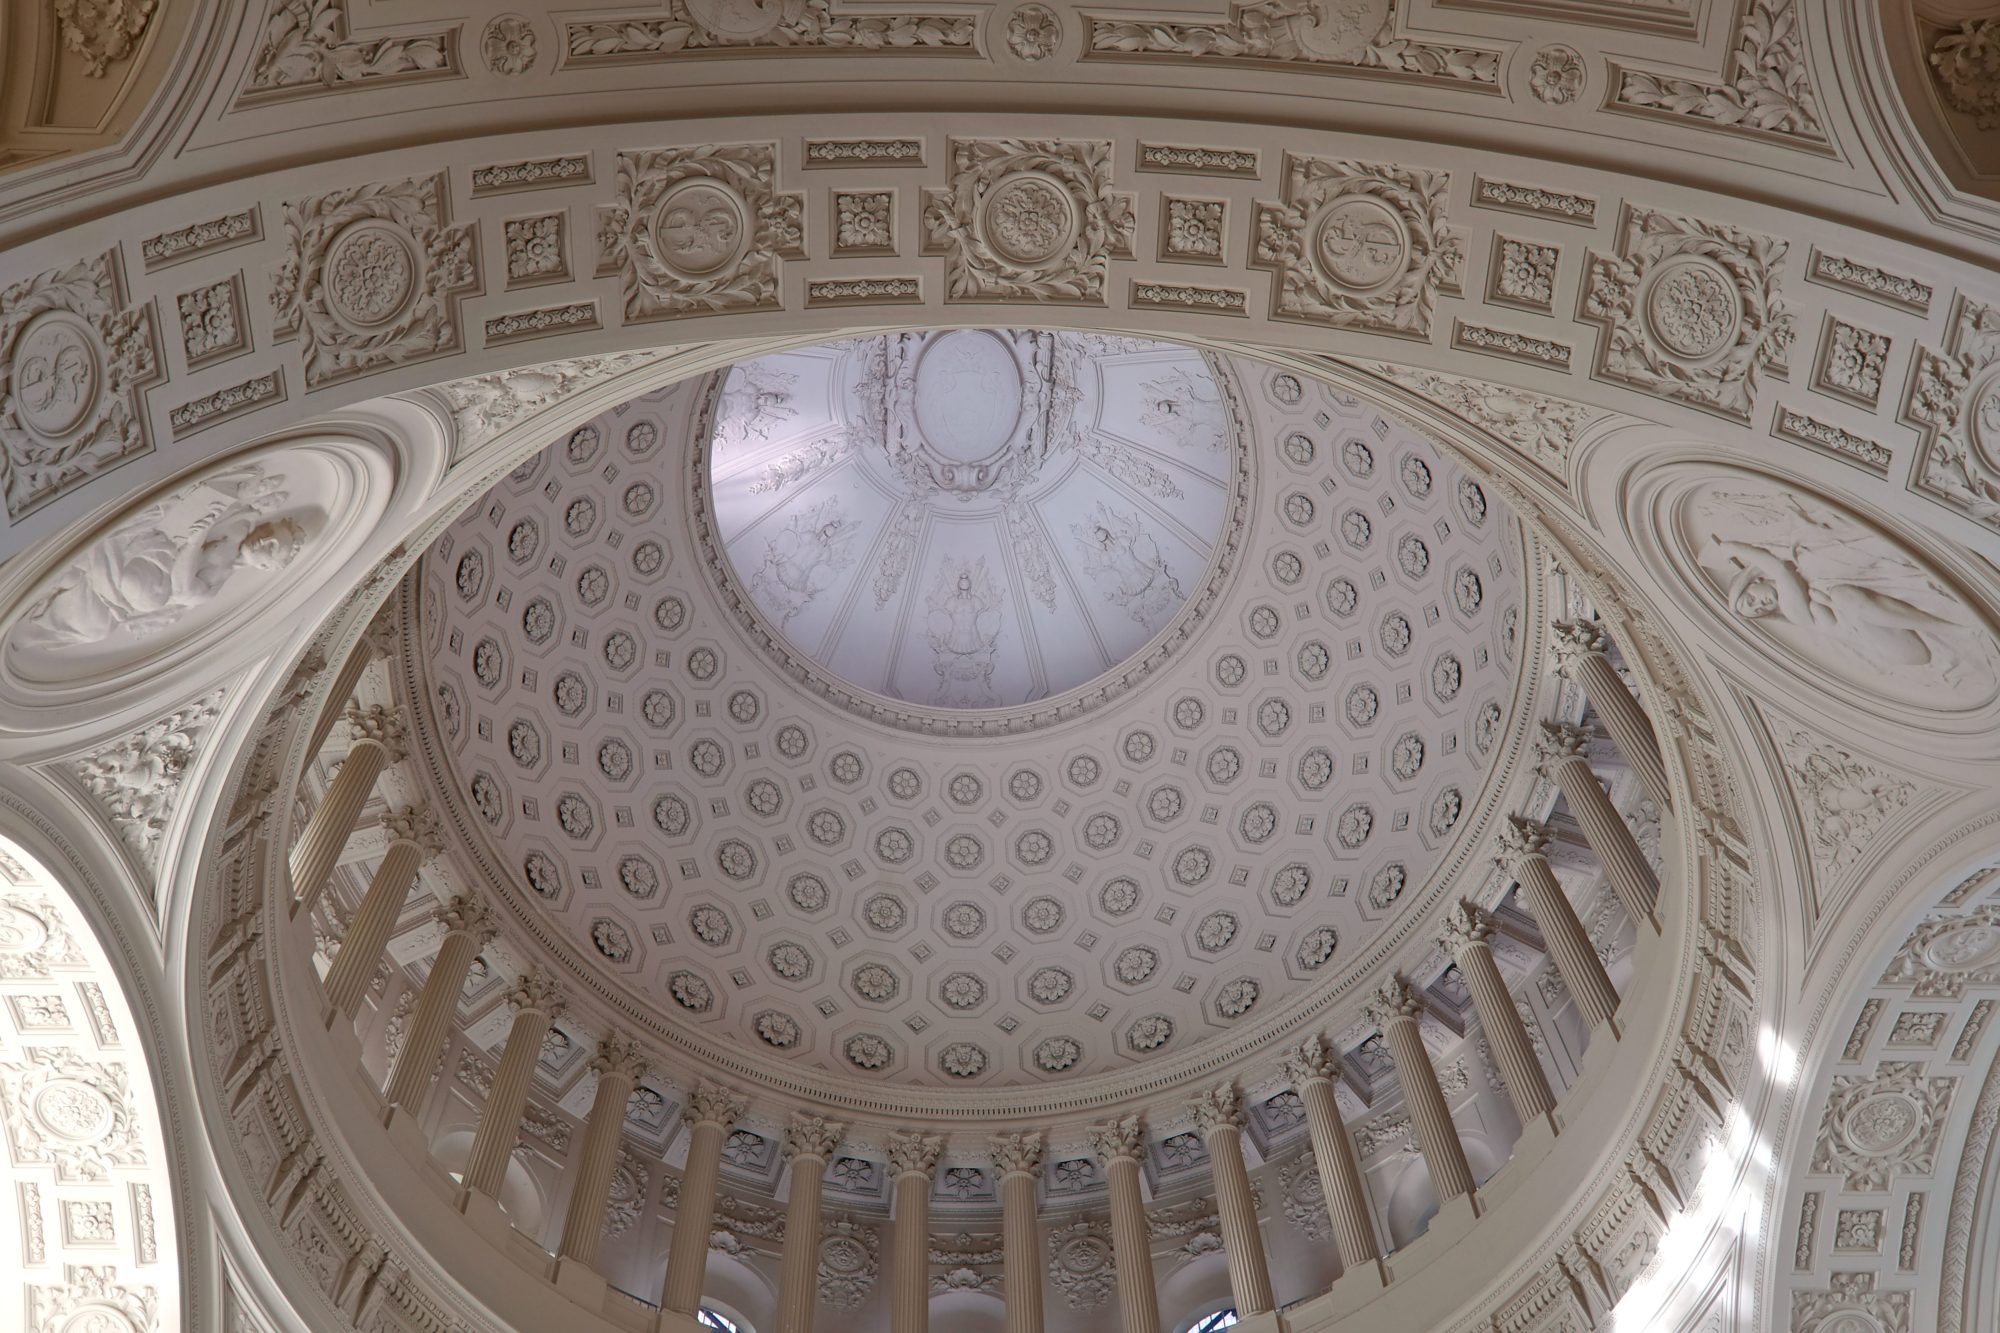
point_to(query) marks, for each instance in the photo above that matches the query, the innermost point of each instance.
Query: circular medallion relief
(1361, 243)
(701, 227)
(968, 395)
(73, 1111)
(1963, 948)
(21, 931)
(737, 20)
(1030, 219)
(371, 273)
(97, 1319)
(1983, 416)
(1883, 1123)
(1692, 307)
(56, 373)
(1340, 30)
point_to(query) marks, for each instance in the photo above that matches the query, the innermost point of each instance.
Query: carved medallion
(371, 273)
(701, 226)
(1965, 947)
(741, 20)
(1361, 243)
(1029, 218)
(1357, 244)
(697, 230)
(56, 373)
(74, 1111)
(1883, 1123)
(1692, 307)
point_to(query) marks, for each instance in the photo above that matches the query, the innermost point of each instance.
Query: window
(1214, 1323)
(708, 1318)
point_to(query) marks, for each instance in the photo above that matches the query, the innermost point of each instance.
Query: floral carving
(1355, 33)
(485, 405)
(1967, 62)
(848, 1263)
(508, 45)
(76, 1115)
(1843, 801)
(1690, 310)
(91, 1299)
(1081, 1266)
(372, 277)
(1767, 87)
(73, 359)
(305, 48)
(1028, 219)
(136, 780)
(1356, 244)
(1876, 1126)
(698, 230)
(797, 25)
(1945, 955)
(1955, 399)
(1033, 32)
(1556, 76)
(1540, 428)
(101, 31)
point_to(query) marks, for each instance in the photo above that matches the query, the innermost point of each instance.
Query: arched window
(1221, 1319)
(708, 1318)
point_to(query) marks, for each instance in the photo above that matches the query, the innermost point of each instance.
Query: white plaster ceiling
(972, 519)
(739, 853)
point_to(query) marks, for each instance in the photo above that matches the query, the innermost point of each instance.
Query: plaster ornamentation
(1355, 33)
(1945, 955)
(1305, 1197)
(1878, 1126)
(171, 247)
(1543, 430)
(70, 1113)
(1028, 219)
(1356, 244)
(536, 249)
(91, 1298)
(103, 31)
(1081, 1265)
(1194, 229)
(849, 1263)
(698, 230)
(1851, 1305)
(372, 277)
(486, 405)
(74, 360)
(212, 322)
(1835, 595)
(1766, 88)
(1853, 362)
(1033, 32)
(210, 408)
(1843, 800)
(1524, 273)
(1511, 343)
(1954, 398)
(630, 1181)
(306, 48)
(508, 45)
(137, 780)
(1831, 439)
(1863, 1029)
(790, 25)
(1967, 64)
(1534, 200)
(1690, 310)
(1557, 76)
(864, 222)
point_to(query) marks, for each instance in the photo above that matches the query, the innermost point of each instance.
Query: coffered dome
(1279, 638)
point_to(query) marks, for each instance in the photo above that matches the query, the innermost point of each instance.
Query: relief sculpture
(1126, 562)
(964, 629)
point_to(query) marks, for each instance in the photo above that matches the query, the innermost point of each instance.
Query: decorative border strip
(199, 238)
(1190, 161)
(1830, 439)
(864, 153)
(1187, 296)
(864, 291)
(1830, 270)
(1556, 205)
(1514, 346)
(536, 323)
(210, 408)
(538, 174)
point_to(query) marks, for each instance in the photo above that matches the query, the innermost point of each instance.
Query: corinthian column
(1218, 1113)
(619, 1065)
(378, 742)
(1018, 1159)
(1313, 1072)
(413, 835)
(711, 1110)
(1121, 1145)
(912, 1159)
(1560, 752)
(1523, 854)
(378, 640)
(537, 1002)
(809, 1142)
(1396, 1006)
(1579, 652)
(1468, 934)
(467, 928)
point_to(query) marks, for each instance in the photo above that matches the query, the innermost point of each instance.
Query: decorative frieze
(1192, 161)
(1357, 245)
(805, 27)
(864, 291)
(1766, 89)
(171, 247)
(1028, 219)
(1508, 343)
(1533, 200)
(1185, 296)
(1827, 438)
(1541, 429)
(1867, 280)
(698, 230)
(1360, 35)
(538, 323)
(223, 403)
(307, 47)
(537, 174)
(864, 153)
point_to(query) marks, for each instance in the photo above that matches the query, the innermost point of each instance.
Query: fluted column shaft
(500, 1120)
(1119, 1146)
(1333, 1152)
(437, 1004)
(810, 1140)
(374, 921)
(1437, 1136)
(1018, 1159)
(1581, 655)
(332, 824)
(1468, 933)
(711, 1112)
(1560, 752)
(1221, 1120)
(912, 1159)
(583, 1219)
(1568, 943)
(345, 682)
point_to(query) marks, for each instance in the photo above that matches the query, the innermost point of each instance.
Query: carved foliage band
(1028, 219)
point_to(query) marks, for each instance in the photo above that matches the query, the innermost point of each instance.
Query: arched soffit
(87, 1217)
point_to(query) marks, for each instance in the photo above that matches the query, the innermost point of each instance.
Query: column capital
(1123, 1137)
(1220, 1107)
(1466, 924)
(1312, 1059)
(375, 723)
(713, 1104)
(415, 823)
(1394, 999)
(1017, 1154)
(912, 1153)
(465, 914)
(536, 989)
(1572, 639)
(811, 1135)
(619, 1056)
(379, 635)
(1559, 741)
(1521, 837)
